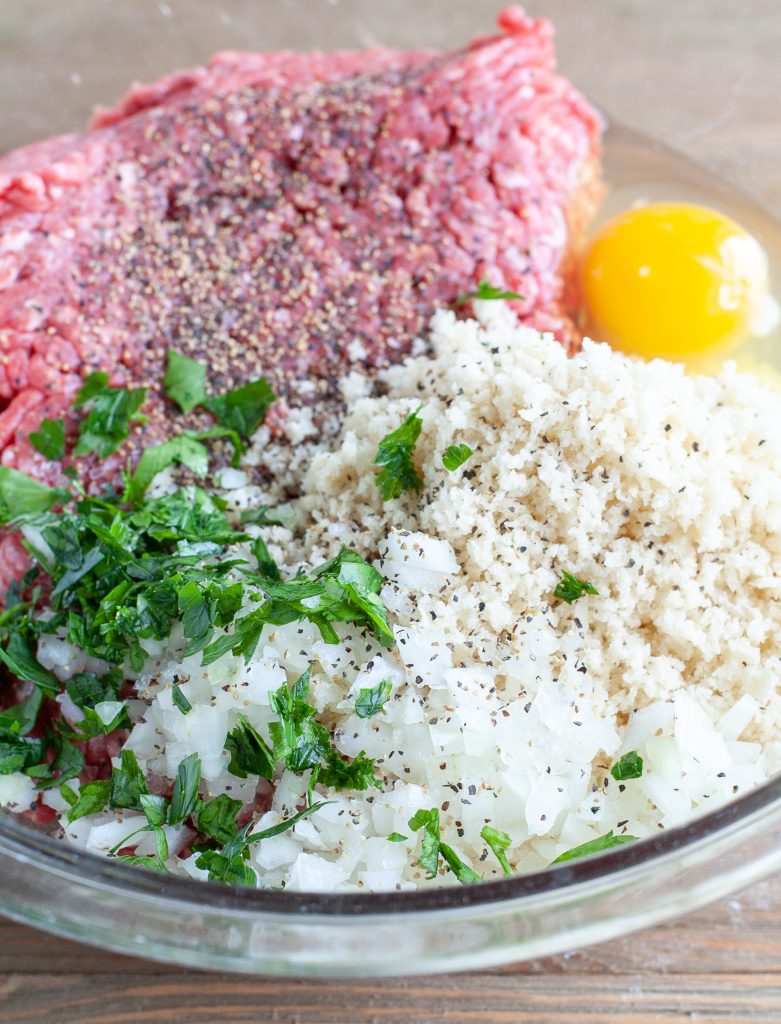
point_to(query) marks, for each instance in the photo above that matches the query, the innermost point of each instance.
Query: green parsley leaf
(429, 853)
(231, 870)
(128, 784)
(499, 842)
(68, 794)
(250, 754)
(185, 381)
(432, 848)
(629, 766)
(194, 610)
(93, 386)
(299, 741)
(19, 658)
(20, 753)
(161, 846)
(155, 809)
(147, 861)
(570, 588)
(463, 872)
(86, 689)
(397, 837)
(217, 433)
(103, 719)
(217, 818)
(266, 565)
(265, 515)
(19, 719)
(358, 773)
(185, 795)
(284, 826)
(344, 589)
(456, 455)
(49, 439)
(394, 455)
(62, 536)
(486, 292)
(67, 764)
(372, 700)
(228, 864)
(606, 842)
(302, 743)
(243, 409)
(111, 411)
(179, 699)
(21, 495)
(181, 449)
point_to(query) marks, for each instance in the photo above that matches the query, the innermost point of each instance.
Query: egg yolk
(673, 280)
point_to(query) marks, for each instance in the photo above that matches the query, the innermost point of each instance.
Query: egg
(675, 280)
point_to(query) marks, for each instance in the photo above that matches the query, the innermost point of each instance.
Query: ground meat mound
(289, 215)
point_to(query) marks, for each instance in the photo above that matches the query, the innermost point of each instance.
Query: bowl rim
(84, 866)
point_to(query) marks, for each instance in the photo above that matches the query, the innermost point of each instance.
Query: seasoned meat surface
(287, 215)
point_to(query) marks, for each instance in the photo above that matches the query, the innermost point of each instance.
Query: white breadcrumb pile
(508, 706)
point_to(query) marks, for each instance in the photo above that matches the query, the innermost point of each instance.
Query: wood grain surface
(722, 964)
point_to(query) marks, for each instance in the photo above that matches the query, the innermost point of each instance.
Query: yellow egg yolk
(674, 280)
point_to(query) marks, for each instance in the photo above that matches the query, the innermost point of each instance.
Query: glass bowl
(692, 81)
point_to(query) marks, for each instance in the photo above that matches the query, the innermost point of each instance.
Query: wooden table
(723, 964)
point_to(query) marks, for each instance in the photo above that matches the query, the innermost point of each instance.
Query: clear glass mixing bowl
(688, 74)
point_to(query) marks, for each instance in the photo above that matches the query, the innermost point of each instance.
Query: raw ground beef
(286, 215)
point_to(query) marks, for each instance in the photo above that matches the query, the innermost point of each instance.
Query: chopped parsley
(394, 455)
(356, 773)
(344, 589)
(298, 742)
(250, 754)
(499, 842)
(606, 842)
(217, 818)
(158, 810)
(432, 848)
(19, 658)
(110, 413)
(128, 784)
(20, 495)
(486, 292)
(243, 409)
(49, 439)
(125, 569)
(185, 381)
(229, 863)
(19, 753)
(629, 766)
(372, 700)
(97, 697)
(397, 837)
(463, 872)
(184, 798)
(239, 412)
(182, 449)
(455, 456)
(68, 761)
(121, 569)
(91, 798)
(179, 699)
(570, 588)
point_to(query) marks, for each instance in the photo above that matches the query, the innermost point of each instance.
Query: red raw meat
(287, 215)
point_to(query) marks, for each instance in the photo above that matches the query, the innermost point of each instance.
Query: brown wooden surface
(703, 74)
(722, 964)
